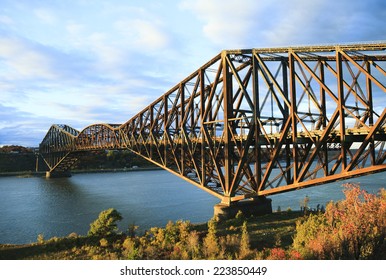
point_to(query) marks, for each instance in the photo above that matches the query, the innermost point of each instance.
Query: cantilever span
(252, 123)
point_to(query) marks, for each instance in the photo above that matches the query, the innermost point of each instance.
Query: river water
(58, 207)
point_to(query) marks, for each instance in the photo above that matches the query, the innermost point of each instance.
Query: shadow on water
(60, 185)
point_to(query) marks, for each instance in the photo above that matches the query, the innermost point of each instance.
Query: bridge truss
(252, 123)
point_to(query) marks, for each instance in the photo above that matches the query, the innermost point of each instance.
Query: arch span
(97, 137)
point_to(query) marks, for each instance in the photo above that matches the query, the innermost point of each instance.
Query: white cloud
(45, 15)
(74, 29)
(20, 128)
(227, 23)
(266, 23)
(6, 20)
(311, 22)
(26, 61)
(109, 56)
(143, 35)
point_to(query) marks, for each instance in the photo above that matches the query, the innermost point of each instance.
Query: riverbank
(264, 232)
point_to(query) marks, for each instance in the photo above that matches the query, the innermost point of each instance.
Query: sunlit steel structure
(256, 122)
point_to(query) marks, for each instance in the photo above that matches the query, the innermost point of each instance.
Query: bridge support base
(256, 207)
(58, 174)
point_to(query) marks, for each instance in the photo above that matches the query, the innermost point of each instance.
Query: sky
(80, 62)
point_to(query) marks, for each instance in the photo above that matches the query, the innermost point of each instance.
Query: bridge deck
(353, 134)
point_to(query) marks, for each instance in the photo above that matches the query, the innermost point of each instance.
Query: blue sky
(88, 61)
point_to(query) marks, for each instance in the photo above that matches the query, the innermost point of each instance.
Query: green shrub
(193, 245)
(106, 224)
(306, 230)
(73, 235)
(211, 246)
(132, 230)
(40, 238)
(171, 234)
(244, 252)
(304, 205)
(104, 242)
(240, 215)
(131, 250)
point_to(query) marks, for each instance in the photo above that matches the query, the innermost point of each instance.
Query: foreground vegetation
(177, 240)
(353, 228)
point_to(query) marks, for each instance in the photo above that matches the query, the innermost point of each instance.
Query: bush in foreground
(106, 224)
(354, 228)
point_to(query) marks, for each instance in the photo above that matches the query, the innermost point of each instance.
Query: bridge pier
(256, 207)
(58, 174)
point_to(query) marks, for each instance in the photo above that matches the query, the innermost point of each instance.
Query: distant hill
(16, 159)
(19, 159)
(15, 149)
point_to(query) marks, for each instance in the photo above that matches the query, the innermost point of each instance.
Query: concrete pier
(256, 207)
(58, 174)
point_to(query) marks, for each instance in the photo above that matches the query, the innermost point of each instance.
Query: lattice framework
(257, 122)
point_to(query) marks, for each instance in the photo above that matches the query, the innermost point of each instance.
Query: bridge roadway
(253, 123)
(87, 143)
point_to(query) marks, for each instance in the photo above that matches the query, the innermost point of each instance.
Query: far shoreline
(29, 174)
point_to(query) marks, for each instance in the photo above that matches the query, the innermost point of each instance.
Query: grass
(268, 231)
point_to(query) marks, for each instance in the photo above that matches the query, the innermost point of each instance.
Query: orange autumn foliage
(354, 228)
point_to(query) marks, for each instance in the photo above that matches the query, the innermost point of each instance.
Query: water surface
(58, 207)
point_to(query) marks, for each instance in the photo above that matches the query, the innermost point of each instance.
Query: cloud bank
(103, 61)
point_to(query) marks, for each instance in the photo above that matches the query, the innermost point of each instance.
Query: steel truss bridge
(256, 122)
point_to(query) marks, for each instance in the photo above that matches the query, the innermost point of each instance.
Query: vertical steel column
(192, 110)
(140, 134)
(323, 118)
(165, 117)
(227, 104)
(202, 111)
(369, 89)
(293, 110)
(342, 127)
(286, 113)
(182, 126)
(256, 118)
(151, 130)
(37, 162)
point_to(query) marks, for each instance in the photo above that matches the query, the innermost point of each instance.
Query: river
(58, 207)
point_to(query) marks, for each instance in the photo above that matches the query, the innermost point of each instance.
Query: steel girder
(98, 137)
(62, 145)
(262, 121)
(56, 146)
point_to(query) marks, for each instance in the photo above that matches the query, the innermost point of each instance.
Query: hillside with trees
(17, 159)
(22, 159)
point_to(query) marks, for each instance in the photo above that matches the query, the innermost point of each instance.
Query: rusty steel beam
(256, 122)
